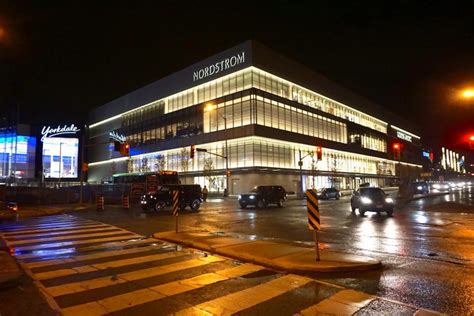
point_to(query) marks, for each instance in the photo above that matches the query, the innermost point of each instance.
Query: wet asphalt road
(427, 247)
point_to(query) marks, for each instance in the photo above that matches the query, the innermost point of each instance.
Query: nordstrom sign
(222, 65)
(403, 136)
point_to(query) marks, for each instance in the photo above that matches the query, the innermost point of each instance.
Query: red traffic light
(471, 138)
(396, 146)
(319, 153)
(125, 149)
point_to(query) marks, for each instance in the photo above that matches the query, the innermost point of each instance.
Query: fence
(65, 194)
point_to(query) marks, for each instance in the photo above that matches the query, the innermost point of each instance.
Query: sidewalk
(10, 272)
(270, 254)
(43, 210)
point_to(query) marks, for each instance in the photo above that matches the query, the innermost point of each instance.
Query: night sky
(59, 60)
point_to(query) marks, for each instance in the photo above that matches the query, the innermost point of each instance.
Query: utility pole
(81, 188)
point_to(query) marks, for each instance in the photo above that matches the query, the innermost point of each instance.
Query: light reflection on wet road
(427, 247)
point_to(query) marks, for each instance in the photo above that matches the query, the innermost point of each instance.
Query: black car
(189, 195)
(263, 195)
(420, 187)
(371, 200)
(329, 193)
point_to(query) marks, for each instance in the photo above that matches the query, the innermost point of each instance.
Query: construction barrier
(100, 203)
(125, 202)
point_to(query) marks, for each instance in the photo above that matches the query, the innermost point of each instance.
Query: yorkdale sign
(222, 65)
(48, 131)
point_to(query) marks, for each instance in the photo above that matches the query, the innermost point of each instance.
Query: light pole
(300, 164)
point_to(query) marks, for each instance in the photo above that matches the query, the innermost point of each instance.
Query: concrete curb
(10, 271)
(272, 255)
(405, 200)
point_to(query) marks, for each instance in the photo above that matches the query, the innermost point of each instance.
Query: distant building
(271, 111)
(30, 153)
(17, 153)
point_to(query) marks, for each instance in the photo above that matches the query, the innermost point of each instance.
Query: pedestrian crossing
(90, 268)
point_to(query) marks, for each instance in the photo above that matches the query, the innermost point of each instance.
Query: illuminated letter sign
(47, 131)
(404, 136)
(117, 137)
(222, 65)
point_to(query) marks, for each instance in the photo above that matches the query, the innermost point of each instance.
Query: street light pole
(300, 164)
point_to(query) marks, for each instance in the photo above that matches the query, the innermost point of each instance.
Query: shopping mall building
(270, 111)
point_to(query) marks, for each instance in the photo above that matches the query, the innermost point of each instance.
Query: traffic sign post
(314, 222)
(175, 195)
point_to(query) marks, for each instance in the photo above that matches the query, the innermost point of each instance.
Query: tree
(161, 163)
(207, 171)
(333, 164)
(113, 168)
(130, 165)
(184, 159)
(144, 165)
(184, 162)
(314, 168)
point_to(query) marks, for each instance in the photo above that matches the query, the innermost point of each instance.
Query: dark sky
(59, 60)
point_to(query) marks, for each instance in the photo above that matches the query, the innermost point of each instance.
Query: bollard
(100, 203)
(125, 202)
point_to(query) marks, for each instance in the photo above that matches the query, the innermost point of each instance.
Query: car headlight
(252, 197)
(365, 200)
(389, 200)
(436, 186)
(240, 196)
(419, 187)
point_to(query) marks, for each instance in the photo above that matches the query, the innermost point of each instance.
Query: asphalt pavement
(427, 247)
(85, 267)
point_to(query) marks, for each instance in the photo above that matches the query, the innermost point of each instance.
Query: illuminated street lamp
(208, 108)
(468, 94)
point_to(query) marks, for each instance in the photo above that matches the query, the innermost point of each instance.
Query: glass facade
(17, 155)
(264, 81)
(252, 78)
(261, 152)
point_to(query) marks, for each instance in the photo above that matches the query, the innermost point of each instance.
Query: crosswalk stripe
(235, 302)
(47, 233)
(346, 302)
(77, 287)
(39, 225)
(108, 246)
(43, 221)
(35, 229)
(138, 297)
(104, 265)
(71, 243)
(59, 238)
(45, 263)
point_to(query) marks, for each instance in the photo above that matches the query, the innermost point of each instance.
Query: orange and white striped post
(176, 207)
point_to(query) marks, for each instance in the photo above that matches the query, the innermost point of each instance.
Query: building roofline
(259, 56)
